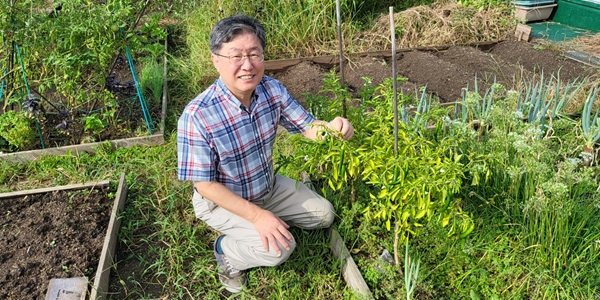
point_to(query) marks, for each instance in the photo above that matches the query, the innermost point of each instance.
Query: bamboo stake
(341, 49)
(394, 85)
(163, 113)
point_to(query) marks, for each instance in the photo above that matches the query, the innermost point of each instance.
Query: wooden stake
(394, 84)
(522, 32)
(163, 113)
(341, 49)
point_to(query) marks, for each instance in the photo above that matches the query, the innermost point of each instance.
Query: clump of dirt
(304, 78)
(52, 235)
(535, 60)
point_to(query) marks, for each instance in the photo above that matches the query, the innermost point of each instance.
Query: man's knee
(271, 259)
(328, 219)
(328, 215)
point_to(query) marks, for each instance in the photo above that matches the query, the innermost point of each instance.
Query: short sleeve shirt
(219, 139)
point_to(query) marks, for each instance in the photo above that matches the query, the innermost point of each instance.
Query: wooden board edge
(25, 156)
(102, 278)
(350, 270)
(76, 186)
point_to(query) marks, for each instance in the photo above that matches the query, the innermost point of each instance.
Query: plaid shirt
(219, 139)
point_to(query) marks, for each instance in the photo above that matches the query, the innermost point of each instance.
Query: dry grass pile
(588, 44)
(445, 23)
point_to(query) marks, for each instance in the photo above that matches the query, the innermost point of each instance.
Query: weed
(151, 80)
(17, 128)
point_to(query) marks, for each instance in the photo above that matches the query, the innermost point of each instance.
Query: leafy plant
(93, 124)
(407, 188)
(68, 50)
(17, 129)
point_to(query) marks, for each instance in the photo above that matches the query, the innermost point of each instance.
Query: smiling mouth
(246, 77)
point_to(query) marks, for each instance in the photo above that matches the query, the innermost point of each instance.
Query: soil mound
(446, 72)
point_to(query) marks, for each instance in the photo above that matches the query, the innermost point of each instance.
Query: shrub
(17, 129)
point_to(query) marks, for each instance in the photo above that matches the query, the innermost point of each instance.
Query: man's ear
(215, 60)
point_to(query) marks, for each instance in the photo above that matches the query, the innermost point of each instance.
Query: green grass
(163, 237)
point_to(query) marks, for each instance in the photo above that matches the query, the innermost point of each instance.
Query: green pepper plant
(407, 188)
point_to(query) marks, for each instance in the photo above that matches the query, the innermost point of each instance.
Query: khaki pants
(290, 200)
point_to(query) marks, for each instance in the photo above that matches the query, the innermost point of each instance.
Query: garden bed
(23, 156)
(118, 113)
(59, 232)
(445, 71)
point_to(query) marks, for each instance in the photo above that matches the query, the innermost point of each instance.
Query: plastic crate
(533, 3)
(535, 13)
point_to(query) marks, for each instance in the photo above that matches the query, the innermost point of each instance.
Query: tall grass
(151, 80)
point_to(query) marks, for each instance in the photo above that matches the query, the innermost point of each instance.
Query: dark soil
(444, 73)
(51, 235)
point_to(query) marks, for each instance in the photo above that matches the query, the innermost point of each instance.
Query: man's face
(240, 80)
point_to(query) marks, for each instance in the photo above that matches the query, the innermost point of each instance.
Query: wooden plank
(584, 58)
(350, 270)
(522, 32)
(101, 281)
(77, 186)
(282, 64)
(25, 156)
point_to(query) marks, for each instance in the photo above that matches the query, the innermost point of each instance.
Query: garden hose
(140, 94)
(2, 86)
(138, 89)
(37, 124)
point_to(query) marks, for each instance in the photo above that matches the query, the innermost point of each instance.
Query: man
(224, 145)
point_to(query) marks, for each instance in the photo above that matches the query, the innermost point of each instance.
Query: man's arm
(270, 227)
(338, 124)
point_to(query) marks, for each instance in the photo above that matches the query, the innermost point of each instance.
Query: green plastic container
(578, 13)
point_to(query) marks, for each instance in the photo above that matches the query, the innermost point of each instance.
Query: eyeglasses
(238, 60)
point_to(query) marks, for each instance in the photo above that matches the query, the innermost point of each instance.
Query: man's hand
(342, 125)
(272, 230)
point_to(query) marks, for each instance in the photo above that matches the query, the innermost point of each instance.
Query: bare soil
(444, 73)
(50, 235)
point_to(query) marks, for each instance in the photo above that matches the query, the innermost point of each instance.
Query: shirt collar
(231, 99)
